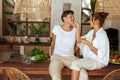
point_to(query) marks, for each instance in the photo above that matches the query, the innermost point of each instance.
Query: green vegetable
(37, 54)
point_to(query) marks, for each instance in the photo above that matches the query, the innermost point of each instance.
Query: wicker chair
(113, 75)
(15, 74)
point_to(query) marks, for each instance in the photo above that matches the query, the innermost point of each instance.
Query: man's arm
(53, 43)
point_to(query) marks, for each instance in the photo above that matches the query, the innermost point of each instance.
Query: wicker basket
(113, 75)
(15, 74)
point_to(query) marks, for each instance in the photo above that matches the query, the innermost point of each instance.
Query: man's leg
(55, 69)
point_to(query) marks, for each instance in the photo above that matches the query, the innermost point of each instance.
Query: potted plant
(38, 29)
(92, 4)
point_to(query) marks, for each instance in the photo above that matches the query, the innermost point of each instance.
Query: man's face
(69, 19)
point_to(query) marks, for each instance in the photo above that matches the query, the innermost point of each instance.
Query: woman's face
(69, 19)
(91, 22)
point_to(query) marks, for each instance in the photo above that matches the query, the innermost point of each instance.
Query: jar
(26, 39)
(19, 40)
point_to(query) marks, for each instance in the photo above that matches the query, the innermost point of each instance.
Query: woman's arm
(92, 48)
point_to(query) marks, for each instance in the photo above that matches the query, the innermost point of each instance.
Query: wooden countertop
(42, 67)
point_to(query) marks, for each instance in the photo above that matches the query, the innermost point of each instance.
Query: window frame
(84, 24)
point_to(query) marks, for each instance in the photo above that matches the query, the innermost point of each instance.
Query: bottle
(37, 41)
(19, 40)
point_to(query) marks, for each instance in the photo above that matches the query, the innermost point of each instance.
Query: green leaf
(92, 4)
(37, 54)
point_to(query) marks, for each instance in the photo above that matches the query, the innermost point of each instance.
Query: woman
(94, 47)
(63, 43)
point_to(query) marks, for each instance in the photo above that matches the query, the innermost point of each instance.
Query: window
(22, 26)
(86, 13)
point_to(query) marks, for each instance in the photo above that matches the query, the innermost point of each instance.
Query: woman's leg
(79, 64)
(83, 74)
(79, 75)
(75, 75)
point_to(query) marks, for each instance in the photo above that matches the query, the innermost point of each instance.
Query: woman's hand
(84, 41)
(92, 48)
